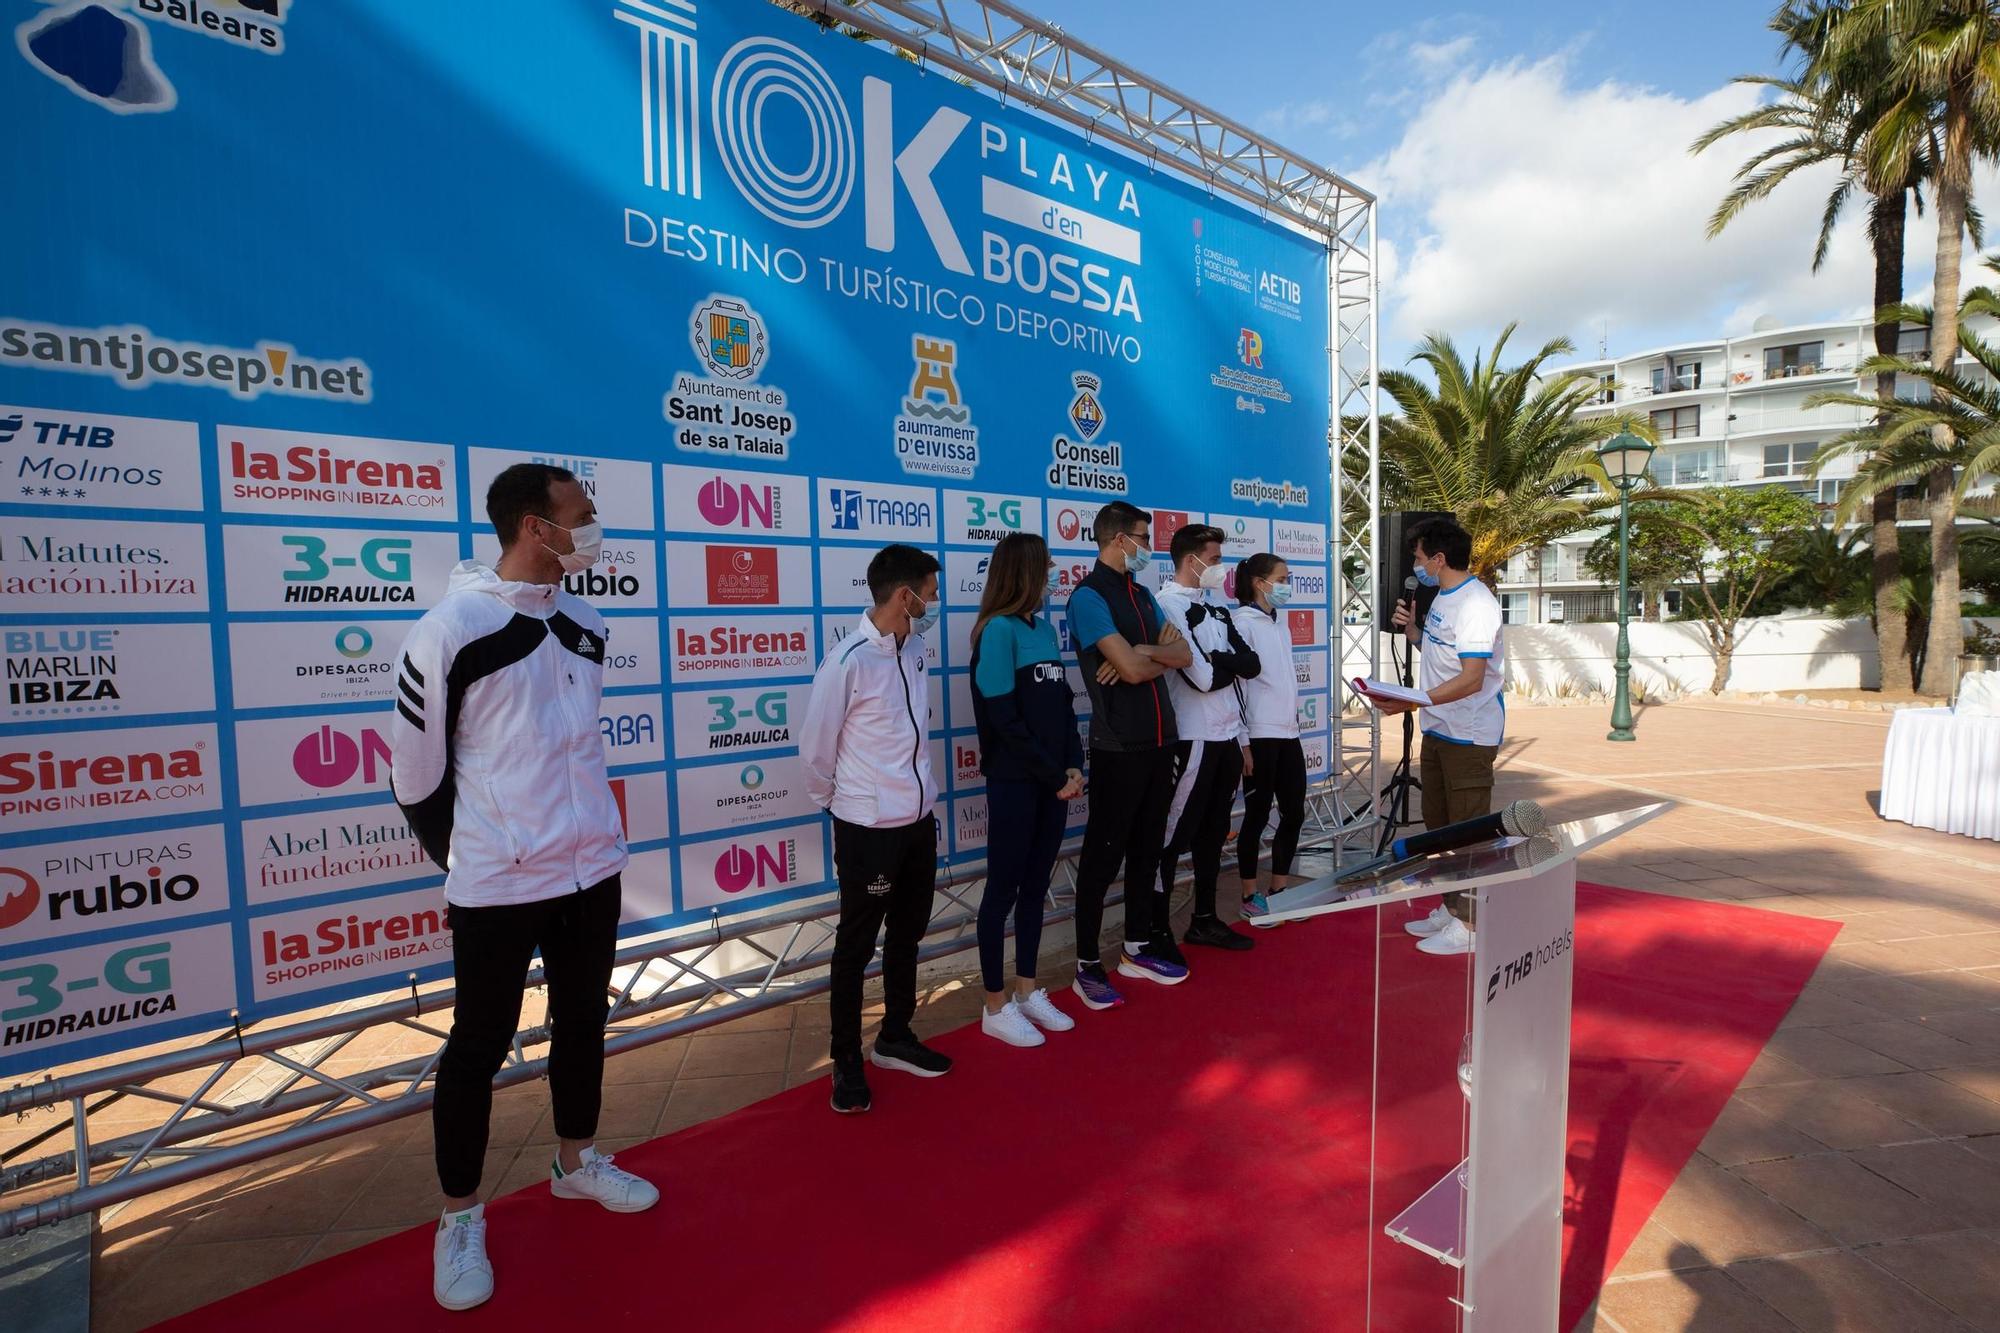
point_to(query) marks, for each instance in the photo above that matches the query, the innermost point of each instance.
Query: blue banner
(287, 283)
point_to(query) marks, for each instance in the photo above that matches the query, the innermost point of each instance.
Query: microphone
(1521, 819)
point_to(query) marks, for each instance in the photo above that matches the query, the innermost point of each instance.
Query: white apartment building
(1728, 412)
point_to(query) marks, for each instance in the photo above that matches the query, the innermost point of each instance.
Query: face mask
(1054, 585)
(1212, 576)
(587, 543)
(1136, 562)
(923, 624)
(1425, 579)
(1279, 594)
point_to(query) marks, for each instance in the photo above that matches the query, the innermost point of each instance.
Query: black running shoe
(1212, 932)
(909, 1055)
(850, 1088)
(1163, 946)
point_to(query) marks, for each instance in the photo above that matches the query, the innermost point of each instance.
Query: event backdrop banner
(287, 282)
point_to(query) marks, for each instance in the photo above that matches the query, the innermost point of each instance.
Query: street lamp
(1624, 457)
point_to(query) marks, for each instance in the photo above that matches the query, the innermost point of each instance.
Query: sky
(1530, 157)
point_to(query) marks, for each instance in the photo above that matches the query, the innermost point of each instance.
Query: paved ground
(1852, 1183)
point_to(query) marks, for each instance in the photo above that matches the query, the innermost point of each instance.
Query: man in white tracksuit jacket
(499, 767)
(1208, 760)
(866, 747)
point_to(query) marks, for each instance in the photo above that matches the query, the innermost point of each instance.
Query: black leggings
(1278, 773)
(1025, 832)
(491, 948)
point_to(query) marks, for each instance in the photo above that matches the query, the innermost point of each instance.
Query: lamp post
(1624, 457)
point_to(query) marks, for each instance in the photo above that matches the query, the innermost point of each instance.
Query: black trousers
(491, 948)
(1277, 773)
(1130, 791)
(1205, 778)
(887, 877)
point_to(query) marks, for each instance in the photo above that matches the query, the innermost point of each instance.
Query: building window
(1914, 344)
(1692, 467)
(1514, 608)
(1607, 390)
(1830, 489)
(1677, 423)
(1794, 359)
(1789, 460)
(1685, 375)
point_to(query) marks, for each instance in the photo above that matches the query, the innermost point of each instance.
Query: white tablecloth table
(1942, 771)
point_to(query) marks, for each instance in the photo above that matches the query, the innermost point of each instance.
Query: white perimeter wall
(1780, 655)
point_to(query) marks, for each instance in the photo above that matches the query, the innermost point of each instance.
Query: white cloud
(1517, 193)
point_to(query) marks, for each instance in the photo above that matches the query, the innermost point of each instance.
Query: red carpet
(1197, 1159)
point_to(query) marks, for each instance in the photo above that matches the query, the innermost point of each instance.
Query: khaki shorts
(1458, 785)
(1458, 781)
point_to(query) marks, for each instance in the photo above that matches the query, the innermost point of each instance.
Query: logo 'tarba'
(19, 895)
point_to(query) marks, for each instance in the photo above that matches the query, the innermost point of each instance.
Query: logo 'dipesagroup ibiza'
(729, 338)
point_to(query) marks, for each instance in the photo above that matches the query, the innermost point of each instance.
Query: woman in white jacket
(1274, 762)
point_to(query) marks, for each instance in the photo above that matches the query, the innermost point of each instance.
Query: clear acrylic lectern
(1470, 1080)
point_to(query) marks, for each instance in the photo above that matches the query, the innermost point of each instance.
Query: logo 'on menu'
(327, 758)
(739, 504)
(765, 865)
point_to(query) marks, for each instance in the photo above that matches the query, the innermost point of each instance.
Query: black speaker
(1392, 564)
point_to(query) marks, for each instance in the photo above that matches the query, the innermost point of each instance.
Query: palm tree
(1944, 71)
(1501, 448)
(1823, 116)
(1954, 434)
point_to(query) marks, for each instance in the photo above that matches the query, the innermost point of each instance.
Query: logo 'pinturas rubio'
(135, 357)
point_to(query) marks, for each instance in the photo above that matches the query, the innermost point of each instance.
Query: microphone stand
(1394, 801)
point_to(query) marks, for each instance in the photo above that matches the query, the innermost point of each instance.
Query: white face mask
(1212, 576)
(586, 542)
(928, 619)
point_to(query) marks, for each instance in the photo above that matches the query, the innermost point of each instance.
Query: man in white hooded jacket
(1208, 709)
(499, 767)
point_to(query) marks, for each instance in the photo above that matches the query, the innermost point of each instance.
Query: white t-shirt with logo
(1463, 622)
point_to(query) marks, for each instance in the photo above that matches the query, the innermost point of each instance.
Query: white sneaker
(461, 1274)
(1431, 924)
(620, 1191)
(1040, 1008)
(1010, 1025)
(1453, 938)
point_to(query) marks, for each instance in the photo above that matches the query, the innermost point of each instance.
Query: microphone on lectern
(1521, 819)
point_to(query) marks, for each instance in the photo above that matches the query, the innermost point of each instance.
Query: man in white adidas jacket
(499, 767)
(867, 753)
(1208, 707)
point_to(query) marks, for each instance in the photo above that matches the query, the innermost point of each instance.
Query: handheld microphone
(1521, 819)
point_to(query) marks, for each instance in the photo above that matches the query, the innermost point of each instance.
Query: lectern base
(1435, 1223)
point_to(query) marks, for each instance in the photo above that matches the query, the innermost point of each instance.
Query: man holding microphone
(1462, 668)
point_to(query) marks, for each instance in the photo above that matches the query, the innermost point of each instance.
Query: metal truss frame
(260, 1092)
